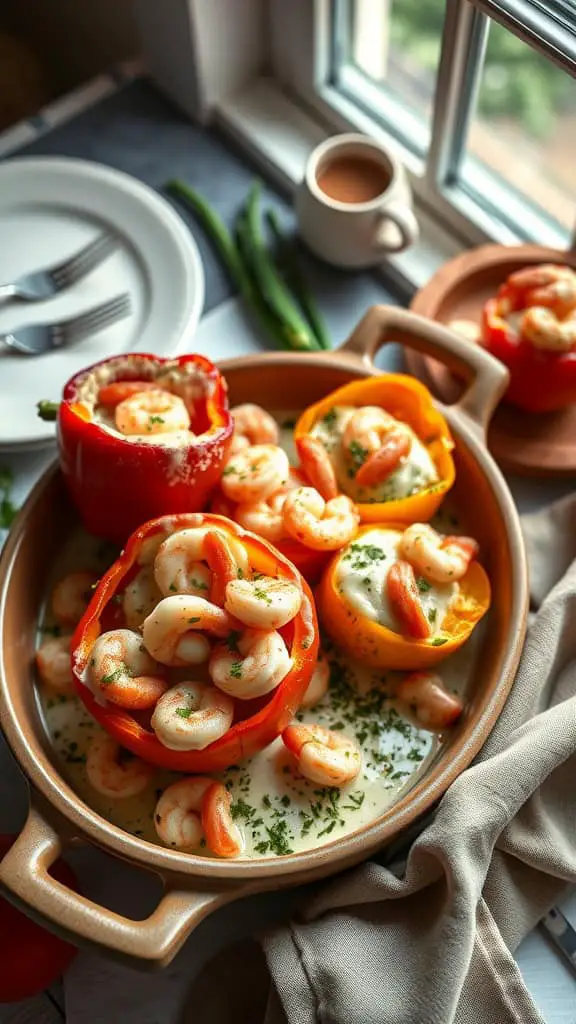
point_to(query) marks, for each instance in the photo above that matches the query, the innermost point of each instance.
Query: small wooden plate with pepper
(527, 443)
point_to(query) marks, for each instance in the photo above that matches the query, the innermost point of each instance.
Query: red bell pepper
(118, 483)
(267, 716)
(309, 562)
(540, 381)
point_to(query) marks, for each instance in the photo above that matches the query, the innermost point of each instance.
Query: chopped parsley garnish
(362, 556)
(113, 677)
(229, 470)
(261, 595)
(156, 419)
(240, 573)
(184, 712)
(232, 640)
(423, 585)
(173, 588)
(432, 616)
(358, 454)
(195, 618)
(438, 641)
(236, 669)
(330, 418)
(8, 509)
(198, 584)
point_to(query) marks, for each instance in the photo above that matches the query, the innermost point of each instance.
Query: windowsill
(279, 135)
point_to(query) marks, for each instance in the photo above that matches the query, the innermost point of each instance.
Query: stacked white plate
(49, 209)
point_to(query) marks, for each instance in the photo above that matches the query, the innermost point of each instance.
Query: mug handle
(405, 220)
(154, 941)
(486, 377)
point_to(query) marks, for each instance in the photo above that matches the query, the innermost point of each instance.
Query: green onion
(270, 283)
(229, 251)
(296, 280)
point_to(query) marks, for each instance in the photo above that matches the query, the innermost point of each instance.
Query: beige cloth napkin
(433, 944)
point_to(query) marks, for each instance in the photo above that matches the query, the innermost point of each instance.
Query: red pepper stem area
(259, 721)
(118, 482)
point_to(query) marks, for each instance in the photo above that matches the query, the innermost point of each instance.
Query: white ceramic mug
(355, 234)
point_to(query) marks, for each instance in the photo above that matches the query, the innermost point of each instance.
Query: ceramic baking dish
(195, 886)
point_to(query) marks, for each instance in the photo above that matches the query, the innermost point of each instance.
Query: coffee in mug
(354, 206)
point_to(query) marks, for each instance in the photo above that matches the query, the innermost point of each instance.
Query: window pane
(396, 45)
(524, 128)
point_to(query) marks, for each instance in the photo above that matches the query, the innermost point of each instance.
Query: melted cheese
(361, 576)
(415, 472)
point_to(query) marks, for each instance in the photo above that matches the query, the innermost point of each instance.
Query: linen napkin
(431, 941)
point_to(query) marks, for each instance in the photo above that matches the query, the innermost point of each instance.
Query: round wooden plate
(526, 443)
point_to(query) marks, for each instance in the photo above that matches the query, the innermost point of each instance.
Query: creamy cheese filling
(186, 380)
(415, 472)
(361, 576)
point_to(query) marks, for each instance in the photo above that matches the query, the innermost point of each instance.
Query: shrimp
(71, 597)
(253, 425)
(196, 807)
(54, 663)
(263, 603)
(322, 755)
(542, 328)
(171, 631)
(253, 665)
(319, 683)
(318, 524)
(177, 565)
(254, 473)
(221, 557)
(151, 412)
(432, 704)
(122, 671)
(439, 558)
(376, 444)
(190, 716)
(115, 772)
(140, 597)
(404, 598)
(547, 285)
(317, 466)
(264, 517)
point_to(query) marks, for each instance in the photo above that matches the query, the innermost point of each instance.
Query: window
(477, 94)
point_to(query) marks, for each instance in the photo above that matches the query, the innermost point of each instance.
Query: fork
(44, 283)
(40, 338)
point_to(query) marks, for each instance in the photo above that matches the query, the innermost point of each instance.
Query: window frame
(305, 70)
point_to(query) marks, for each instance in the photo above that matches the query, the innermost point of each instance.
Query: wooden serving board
(530, 444)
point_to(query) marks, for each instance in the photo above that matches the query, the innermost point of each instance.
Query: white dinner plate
(49, 209)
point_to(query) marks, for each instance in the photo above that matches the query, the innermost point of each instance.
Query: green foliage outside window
(517, 82)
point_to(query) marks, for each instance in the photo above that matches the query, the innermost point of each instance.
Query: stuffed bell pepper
(198, 645)
(141, 436)
(403, 597)
(385, 446)
(530, 326)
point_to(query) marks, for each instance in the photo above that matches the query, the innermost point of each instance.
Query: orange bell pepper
(410, 402)
(380, 647)
(265, 717)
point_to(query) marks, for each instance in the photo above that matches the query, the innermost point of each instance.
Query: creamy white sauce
(362, 573)
(277, 810)
(415, 472)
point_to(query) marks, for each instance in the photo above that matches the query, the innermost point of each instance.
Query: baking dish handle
(152, 942)
(487, 378)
